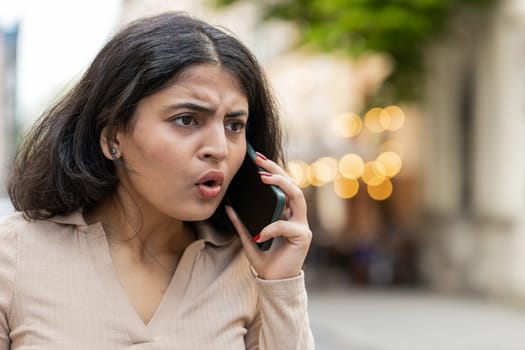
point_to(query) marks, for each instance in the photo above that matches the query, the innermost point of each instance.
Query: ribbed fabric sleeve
(8, 255)
(282, 322)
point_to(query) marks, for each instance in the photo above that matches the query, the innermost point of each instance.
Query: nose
(215, 143)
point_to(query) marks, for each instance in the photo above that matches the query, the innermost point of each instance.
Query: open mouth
(209, 189)
(210, 184)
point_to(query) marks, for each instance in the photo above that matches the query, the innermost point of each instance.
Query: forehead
(207, 84)
(204, 73)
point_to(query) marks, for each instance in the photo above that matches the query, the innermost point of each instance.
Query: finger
(269, 165)
(297, 234)
(287, 213)
(296, 201)
(272, 168)
(246, 239)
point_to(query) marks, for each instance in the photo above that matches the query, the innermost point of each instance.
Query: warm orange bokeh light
(297, 171)
(325, 169)
(372, 120)
(374, 173)
(392, 118)
(311, 175)
(351, 166)
(347, 125)
(391, 162)
(381, 191)
(346, 188)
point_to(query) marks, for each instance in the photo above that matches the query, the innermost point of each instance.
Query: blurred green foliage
(400, 28)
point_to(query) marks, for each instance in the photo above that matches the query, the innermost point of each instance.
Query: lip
(209, 185)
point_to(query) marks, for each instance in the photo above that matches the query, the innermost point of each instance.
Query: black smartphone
(260, 204)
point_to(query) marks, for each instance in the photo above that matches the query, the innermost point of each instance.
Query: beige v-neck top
(59, 290)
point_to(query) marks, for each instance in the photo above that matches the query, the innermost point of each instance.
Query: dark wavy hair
(59, 167)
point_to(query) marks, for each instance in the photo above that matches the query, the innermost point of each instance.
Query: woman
(119, 237)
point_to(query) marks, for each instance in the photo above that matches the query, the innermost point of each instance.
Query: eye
(185, 120)
(236, 126)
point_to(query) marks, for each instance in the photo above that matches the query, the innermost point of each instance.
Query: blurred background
(405, 124)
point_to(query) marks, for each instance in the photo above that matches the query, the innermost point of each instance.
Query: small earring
(113, 151)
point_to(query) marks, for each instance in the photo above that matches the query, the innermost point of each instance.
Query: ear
(110, 151)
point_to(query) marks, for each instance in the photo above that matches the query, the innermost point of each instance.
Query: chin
(199, 213)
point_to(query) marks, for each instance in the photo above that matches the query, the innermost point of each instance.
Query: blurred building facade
(474, 165)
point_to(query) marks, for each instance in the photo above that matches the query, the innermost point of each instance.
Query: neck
(146, 234)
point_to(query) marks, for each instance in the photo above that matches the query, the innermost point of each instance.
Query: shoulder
(16, 223)
(10, 225)
(9, 230)
(15, 227)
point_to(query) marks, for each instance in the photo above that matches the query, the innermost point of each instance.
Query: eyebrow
(204, 109)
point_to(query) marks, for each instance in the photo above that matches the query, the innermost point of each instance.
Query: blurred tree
(400, 28)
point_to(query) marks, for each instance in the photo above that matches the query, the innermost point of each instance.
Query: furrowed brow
(204, 109)
(240, 113)
(192, 106)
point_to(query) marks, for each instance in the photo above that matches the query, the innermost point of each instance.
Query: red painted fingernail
(260, 155)
(264, 173)
(256, 237)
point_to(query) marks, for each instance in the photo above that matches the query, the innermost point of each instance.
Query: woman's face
(187, 143)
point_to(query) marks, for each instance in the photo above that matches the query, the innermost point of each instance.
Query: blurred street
(361, 319)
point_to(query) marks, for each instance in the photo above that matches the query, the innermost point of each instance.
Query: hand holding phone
(283, 260)
(260, 204)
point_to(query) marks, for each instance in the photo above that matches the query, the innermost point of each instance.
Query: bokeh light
(374, 173)
(346, 188)
(297, 171)
(311, 175)
(392, 118)
(351, 166)
(391, 162)
(347, 125)
(346, 171)
(372, 120)
(381, 191)
(325, 169)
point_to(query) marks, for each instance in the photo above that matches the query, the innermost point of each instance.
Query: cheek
(240, 153)
(149, 157)
(236, 161)
(139, 157)
(151, 147)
